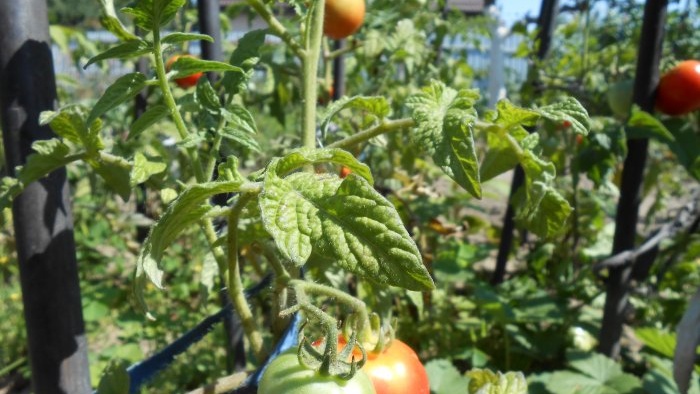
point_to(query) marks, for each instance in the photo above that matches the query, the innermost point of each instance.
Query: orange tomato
(395, 370)
(344, 172)
(678, 92)
(343, 17)
(187, 81)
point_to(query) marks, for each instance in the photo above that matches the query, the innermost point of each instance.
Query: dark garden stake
(545, 23)
(42, 213)
(646, 79)
(338, 72)
(209, 24)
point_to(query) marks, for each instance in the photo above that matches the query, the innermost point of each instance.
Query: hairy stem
(235, 285)
(366, 135)
(172, 106)
(310, 76)
(276, 27)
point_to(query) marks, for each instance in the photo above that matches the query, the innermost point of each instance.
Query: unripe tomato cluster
(678, 92)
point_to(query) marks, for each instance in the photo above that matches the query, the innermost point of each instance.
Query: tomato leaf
(644, 125)
(176, 38)
(241, 138)
(483, 381)
(9, 189)
(115, 378)
(543, 210)
(568, 110)
(186, 65)
(499, 158)
(111, 23)
(69, 123)
(444, 378)
(656, 339)
(688, 338)
(185, 211)
(444, 128)
(143, 169)
(126, 50)
(152, 115)
(513, 118)
(240, 118)
(345, 221)
(50, 155)
(150, 14)
(595, 373)
(206, 96)
(123, 89)
(377, 106)
(115, 174)
(303, 157)
(246, 56)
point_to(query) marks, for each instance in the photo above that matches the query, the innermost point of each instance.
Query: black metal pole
(42, 213)
(338, 72)
(209, 24)
(208, 12)
(548, 13)
(140, 104)
(646, 80)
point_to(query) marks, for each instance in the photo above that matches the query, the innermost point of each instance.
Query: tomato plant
(678, 92)
(286, 375)
(186, 81)
(343, 17)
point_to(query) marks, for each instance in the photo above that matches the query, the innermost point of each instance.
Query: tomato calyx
(332, 361)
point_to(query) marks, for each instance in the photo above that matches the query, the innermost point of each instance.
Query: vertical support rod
(496, 72)
(209, 24)
(42, 213)
(140, 104)
(548, 12)
(646, 80)
(338, 72)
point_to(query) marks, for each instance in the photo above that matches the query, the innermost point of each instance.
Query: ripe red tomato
(187, 81)
(678, 92)
(286, 375)
(396, 370)
(343, 17)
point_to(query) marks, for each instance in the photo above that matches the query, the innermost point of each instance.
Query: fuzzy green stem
(14, 365)
(235, 285)
(172, 105)
(366, 135)
(211, 163)
(363, 328)
(310, 75)
(339, 52)
(211, 237)
(276, 27)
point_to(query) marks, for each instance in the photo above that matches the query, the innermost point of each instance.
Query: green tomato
(620, 98)
(286, 375)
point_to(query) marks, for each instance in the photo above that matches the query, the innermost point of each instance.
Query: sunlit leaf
(345, 222)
